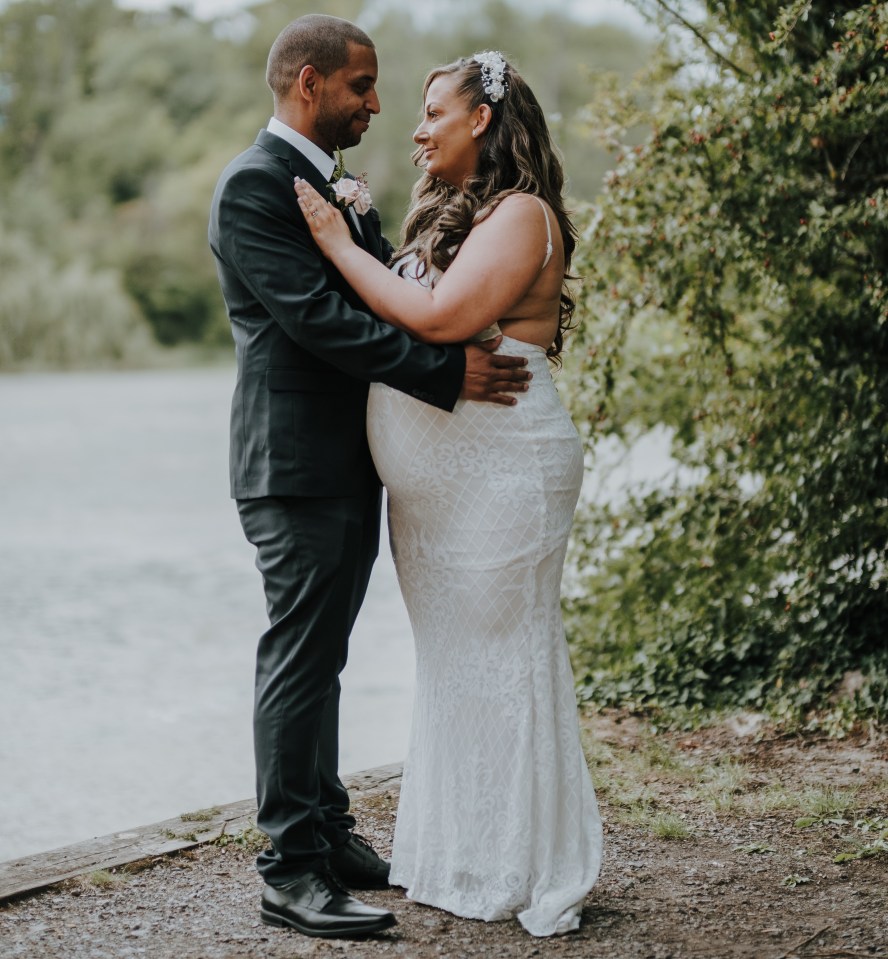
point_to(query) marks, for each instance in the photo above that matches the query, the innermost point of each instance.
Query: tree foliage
(736, 292)
(64, 317)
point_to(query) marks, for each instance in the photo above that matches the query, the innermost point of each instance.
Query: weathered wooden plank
(371, 781)
(31, 873)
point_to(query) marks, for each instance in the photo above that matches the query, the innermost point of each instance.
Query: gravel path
(705, 896)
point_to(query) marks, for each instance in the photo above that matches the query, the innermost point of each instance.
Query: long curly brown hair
(517, 156)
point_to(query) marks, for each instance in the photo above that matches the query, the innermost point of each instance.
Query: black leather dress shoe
(316, 905)
(358, 865)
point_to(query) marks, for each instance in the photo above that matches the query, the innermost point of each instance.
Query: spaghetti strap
(548, 233)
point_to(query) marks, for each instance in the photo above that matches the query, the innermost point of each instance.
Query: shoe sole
(350, 932)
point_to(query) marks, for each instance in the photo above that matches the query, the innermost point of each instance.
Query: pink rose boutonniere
(346, 192)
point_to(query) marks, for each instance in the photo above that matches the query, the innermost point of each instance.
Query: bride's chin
(434, 170)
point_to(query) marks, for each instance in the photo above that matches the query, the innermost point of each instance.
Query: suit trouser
(315, 557)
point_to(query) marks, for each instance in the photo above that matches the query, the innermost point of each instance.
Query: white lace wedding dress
(497, 815)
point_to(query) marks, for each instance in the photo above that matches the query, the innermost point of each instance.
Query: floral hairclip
(493, 74)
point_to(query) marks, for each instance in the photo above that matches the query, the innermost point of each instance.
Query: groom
(306, 491)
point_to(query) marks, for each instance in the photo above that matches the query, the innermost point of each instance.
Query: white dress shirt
(311, 151)
(324, 163)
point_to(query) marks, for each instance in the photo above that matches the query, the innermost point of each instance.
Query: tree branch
(690, 26)
(847, 164)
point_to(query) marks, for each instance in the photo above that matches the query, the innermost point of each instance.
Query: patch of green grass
(656, 755)
(827, 804)
(646, 781)
(102, 879)
(723, 785)
(658, 822)
(627, 793)
(666, 825)
(629, 777)
(180, 836)
(772, 798)
(615, 774)
(201, 815)
(250, 839)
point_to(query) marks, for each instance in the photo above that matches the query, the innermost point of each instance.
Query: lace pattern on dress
(497, 816)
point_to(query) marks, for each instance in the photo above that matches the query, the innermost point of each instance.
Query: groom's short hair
(316, 40)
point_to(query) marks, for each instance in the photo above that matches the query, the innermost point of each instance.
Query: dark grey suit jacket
(306, 345)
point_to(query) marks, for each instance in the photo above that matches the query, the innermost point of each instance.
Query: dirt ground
(719, 843)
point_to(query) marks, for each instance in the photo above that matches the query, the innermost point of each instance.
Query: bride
(497, 815)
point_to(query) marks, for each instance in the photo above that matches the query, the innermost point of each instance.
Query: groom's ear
(308, 83)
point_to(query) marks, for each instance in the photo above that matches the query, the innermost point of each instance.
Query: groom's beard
(335, 128)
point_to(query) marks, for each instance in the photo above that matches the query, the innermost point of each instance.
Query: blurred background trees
(114, 126)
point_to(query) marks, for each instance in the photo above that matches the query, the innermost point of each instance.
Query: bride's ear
(483, 117)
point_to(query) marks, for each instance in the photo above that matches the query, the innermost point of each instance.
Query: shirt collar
(311, 151)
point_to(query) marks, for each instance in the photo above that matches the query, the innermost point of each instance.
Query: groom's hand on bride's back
(492, 378)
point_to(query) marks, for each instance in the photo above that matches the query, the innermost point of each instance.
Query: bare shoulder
(518, 211)
(520, 205)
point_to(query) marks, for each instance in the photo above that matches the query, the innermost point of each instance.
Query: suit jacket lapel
(298, 164)
(372, 232)
(369, 236)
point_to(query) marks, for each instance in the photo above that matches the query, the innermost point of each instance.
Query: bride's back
(534, 319)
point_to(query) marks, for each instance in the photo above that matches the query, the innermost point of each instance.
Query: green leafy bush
(736, 293)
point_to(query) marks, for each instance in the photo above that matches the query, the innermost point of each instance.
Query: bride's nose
(419, 134)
